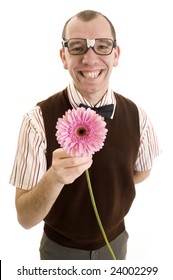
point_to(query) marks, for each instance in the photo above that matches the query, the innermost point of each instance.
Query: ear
(63, 58)
(116, 56)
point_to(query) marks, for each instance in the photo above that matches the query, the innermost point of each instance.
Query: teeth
(90, 75)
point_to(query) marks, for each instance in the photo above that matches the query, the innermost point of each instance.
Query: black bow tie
(104, 111)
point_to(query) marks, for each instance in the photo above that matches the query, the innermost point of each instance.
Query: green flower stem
(97, 215)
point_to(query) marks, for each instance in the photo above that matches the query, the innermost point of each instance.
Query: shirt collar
(76, 98)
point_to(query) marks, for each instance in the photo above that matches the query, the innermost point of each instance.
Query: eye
(104, 45)
(76, 47)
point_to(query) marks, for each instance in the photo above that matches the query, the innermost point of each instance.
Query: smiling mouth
(90, 75)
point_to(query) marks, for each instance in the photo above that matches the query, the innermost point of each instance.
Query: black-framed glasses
(101, 46)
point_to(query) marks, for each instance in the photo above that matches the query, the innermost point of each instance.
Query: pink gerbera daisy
(81, 132)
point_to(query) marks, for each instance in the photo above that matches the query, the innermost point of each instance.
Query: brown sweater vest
(71, 221)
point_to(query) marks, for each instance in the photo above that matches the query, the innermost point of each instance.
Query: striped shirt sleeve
(149, 148)
(30, 161)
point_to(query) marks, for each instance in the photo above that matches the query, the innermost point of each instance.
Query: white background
(31, 70)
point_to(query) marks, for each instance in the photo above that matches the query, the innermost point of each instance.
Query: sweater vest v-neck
(71, 221)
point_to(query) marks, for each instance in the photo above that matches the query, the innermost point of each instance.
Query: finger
(62, 160)
(68, 175)
(60, 153)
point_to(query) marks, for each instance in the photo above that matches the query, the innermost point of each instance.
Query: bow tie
(104, 111)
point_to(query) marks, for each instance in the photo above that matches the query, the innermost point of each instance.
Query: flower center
(81, 131)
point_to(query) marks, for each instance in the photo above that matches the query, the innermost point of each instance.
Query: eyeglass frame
(90, 44)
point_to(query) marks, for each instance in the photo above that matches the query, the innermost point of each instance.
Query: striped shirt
(30, 160)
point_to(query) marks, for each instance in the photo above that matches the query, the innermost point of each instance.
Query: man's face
(90, 72)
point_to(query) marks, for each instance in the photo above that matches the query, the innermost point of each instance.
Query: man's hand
(68, 168)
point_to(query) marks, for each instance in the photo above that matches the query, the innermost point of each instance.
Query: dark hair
(88, 15)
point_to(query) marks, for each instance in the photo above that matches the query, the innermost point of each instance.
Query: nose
(90, 57)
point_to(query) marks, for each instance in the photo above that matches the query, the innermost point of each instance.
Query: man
(50, 184)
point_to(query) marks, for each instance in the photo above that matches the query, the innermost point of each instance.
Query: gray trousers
(50, 250)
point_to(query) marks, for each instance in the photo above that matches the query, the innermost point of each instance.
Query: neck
(97, 99)
(93, 97)
(93, 100)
